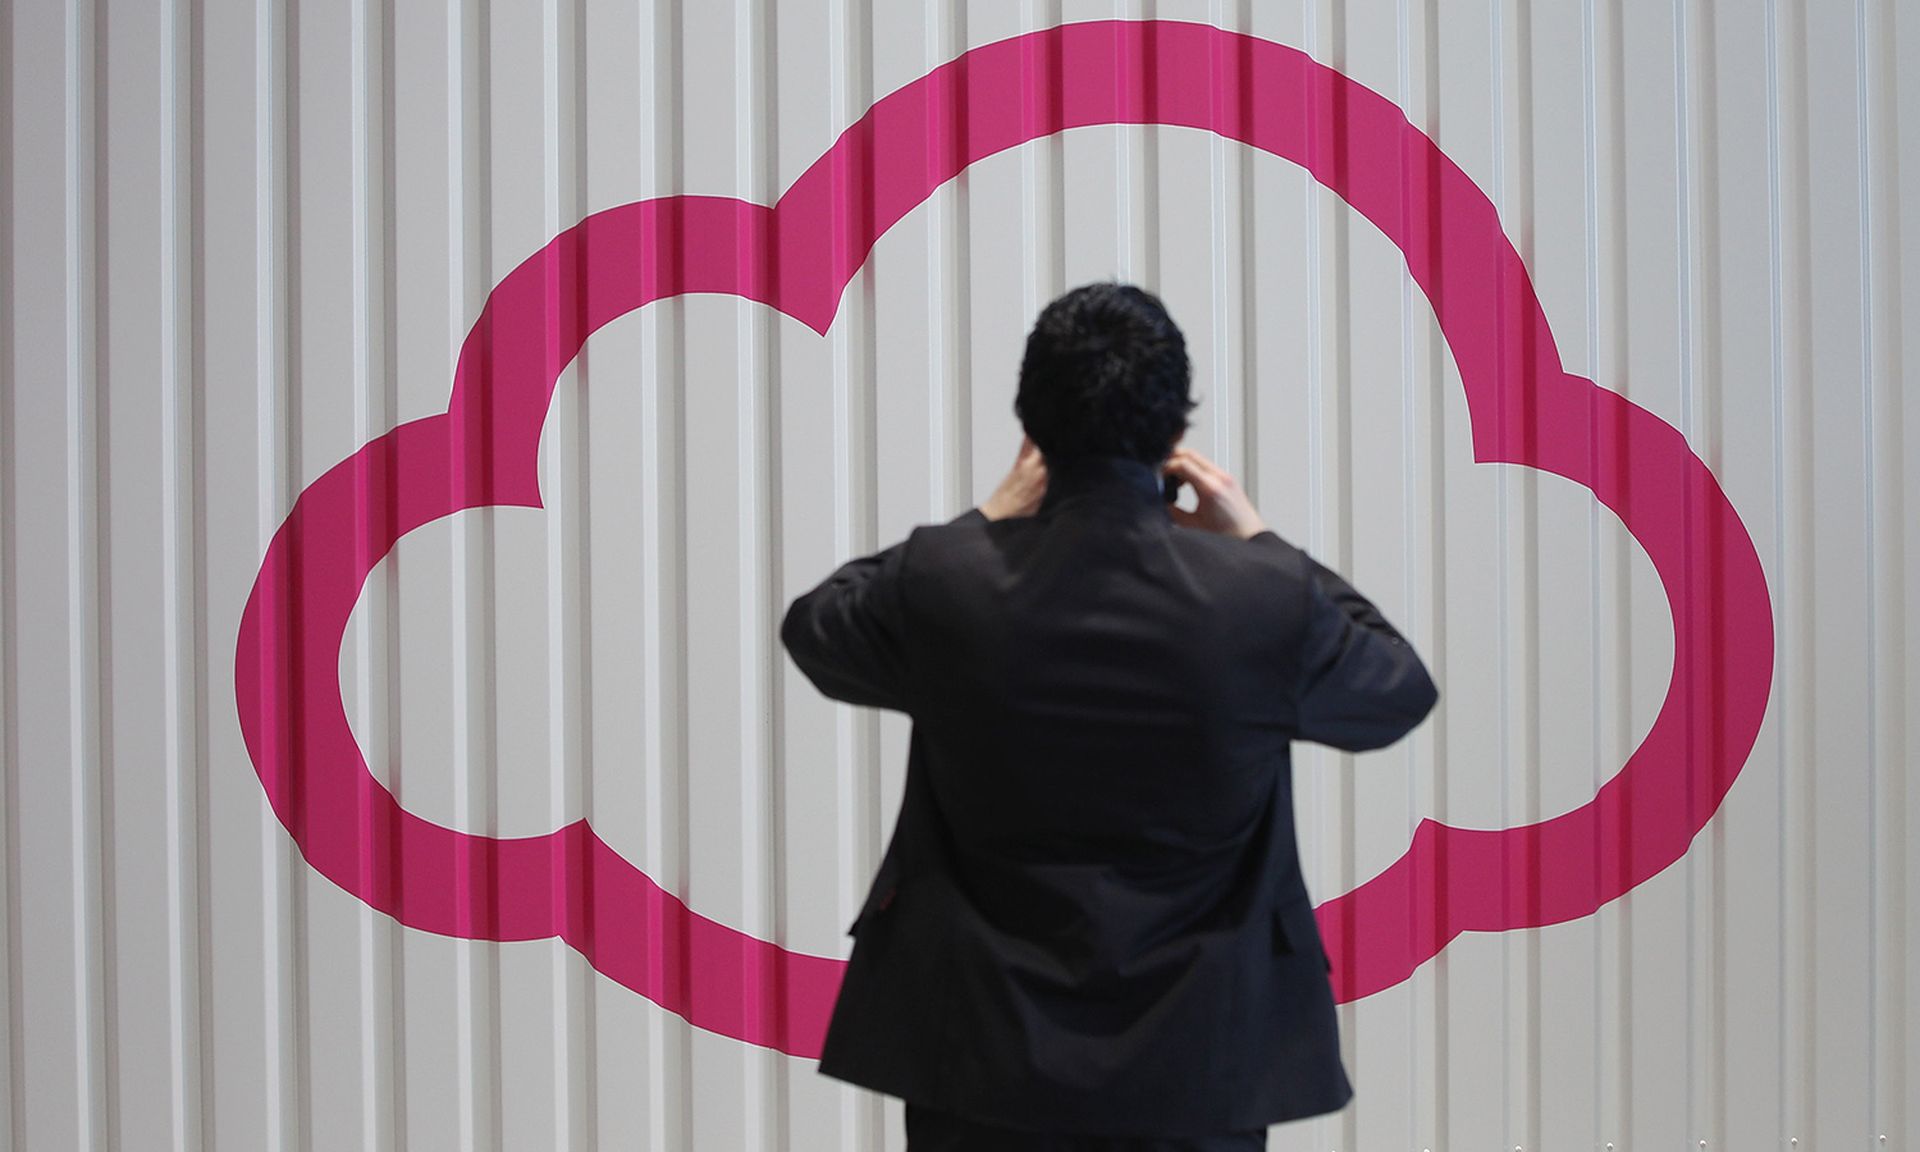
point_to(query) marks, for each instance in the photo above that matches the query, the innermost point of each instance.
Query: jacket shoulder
(970, 531)
(1268, 548)
(1265, 557)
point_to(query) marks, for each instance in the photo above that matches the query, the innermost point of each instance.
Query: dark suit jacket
(1091, 916)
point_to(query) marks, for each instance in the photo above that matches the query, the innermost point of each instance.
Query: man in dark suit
(1090, 928)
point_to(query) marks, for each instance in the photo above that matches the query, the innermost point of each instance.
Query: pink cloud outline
(797, 257)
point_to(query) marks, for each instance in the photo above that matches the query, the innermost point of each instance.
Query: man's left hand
(1019, 494)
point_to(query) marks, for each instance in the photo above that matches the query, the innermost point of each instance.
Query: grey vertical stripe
(857, 495)
(1700, 154)
(1590, 98)
(962, 488)
(1440, 1045)
(569, 616)
(1690, 426)
(13, 1116)
(183, 512)
(1891, 1097)
(1869, 494)
(277, 288)
(88, 568)
(1246, 454)
(1785, 649)
(377, 656)
(1617, 961)
(1510, 214)
(1796, 575)
(479, 1088)
(755, 386)
(1418, 626)
(656, 50)
(765, 653)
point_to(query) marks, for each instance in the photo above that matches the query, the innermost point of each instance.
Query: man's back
(1091, 917)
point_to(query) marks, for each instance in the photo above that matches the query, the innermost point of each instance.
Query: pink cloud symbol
(798, 256)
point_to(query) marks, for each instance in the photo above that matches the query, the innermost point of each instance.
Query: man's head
(1105, 374)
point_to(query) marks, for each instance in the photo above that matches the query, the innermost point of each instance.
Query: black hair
(1105, 374)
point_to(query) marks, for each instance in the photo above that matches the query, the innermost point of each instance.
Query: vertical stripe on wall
(13, 1091)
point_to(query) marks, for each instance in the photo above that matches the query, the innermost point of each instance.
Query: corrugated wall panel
(245, 238)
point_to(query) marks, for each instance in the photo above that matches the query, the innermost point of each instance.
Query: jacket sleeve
(848, 635)
(1361, 684)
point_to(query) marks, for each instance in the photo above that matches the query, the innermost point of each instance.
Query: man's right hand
(1222, 506)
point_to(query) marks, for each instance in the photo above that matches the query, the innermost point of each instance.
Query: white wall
(243, 240)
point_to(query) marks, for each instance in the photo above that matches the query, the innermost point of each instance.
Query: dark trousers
(930, 1131)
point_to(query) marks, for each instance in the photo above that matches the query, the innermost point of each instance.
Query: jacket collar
(1117, 481)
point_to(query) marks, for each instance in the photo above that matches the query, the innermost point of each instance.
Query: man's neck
(1121, 480)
